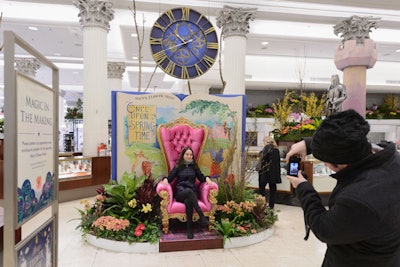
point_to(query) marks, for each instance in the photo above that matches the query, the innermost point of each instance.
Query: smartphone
(293, 166)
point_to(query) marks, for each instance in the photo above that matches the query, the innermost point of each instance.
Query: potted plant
(389, 109)
(250, 216)
(241, 212)
(298, 116)
(123, 211)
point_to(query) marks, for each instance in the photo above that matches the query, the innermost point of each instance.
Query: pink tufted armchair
(173, 137)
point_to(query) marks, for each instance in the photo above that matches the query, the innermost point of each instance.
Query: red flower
(138, 232)
(140, 227)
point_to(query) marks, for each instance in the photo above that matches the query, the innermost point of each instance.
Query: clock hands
(180, 44)
(179, 37)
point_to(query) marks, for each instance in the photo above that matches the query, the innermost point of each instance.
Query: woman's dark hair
(181, 161)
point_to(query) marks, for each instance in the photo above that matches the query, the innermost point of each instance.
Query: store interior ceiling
(288, 42)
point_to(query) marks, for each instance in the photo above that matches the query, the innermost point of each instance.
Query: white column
(61, 120)
(234, 68)
(235, 25)
(95, 16)
(115, 74)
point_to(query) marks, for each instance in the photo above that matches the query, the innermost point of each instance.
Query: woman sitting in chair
(186, 172)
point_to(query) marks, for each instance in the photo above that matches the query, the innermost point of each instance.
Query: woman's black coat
(270, 165)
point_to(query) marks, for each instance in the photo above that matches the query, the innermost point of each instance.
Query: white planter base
(119, 246)
(242, 241)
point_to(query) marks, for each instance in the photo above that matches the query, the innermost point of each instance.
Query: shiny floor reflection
(286, 248)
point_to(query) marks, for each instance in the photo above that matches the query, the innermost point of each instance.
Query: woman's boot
(193, 201)
(189, 218)
(189, 225)
(203, 220)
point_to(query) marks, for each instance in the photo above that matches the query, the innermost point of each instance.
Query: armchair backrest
(176, 135)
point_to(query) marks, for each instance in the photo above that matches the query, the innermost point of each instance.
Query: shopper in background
(362, 225)
(270, 169)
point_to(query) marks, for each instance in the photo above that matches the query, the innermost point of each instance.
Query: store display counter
(74, 167)
(81, 171)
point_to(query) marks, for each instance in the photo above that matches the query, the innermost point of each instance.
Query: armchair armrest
(208, 193)
(165, 192)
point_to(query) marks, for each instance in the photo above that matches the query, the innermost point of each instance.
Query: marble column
(354, 56)
(95, 17)
(115, 75)
(235, 25)
(27, 66)
(61, 119)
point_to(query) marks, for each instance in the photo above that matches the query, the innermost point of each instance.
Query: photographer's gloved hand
(295, 181)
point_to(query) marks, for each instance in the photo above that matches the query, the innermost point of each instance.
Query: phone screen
(293, 168)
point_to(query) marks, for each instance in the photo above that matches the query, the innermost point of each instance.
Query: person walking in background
(362, 225)
(186, 171)
(270, 169)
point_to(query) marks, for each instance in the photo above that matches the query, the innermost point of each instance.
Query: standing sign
(35, 147)
(31, 162)
(37, 250)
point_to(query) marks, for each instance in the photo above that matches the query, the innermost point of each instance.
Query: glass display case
(74, 167)
(252, 158)
(319, 176)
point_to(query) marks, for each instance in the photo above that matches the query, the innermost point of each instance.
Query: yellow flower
(146, 208)
(86, 203)
(308, 127)
(132, 203)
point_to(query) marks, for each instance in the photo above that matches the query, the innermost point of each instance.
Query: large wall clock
(183, 43)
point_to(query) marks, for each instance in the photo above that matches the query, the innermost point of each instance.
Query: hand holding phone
(293, 166)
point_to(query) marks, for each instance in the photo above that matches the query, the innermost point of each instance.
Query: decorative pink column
(354, 56)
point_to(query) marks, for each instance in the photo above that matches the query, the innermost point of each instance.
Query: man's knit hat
(341, 138)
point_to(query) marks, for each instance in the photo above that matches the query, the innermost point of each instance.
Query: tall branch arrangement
(220, 63)
(140, 39)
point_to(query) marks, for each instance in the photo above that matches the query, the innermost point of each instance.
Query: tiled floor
(286, 248)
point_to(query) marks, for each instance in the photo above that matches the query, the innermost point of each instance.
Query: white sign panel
(35, 118)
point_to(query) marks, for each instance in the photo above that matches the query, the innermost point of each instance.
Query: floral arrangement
(124, 211)
(240, 210)
(298, 116)
(244, 218)
(262, 111)
(388, 110)
(296, 126)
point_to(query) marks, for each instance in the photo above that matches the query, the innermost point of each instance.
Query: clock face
(183, 43)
